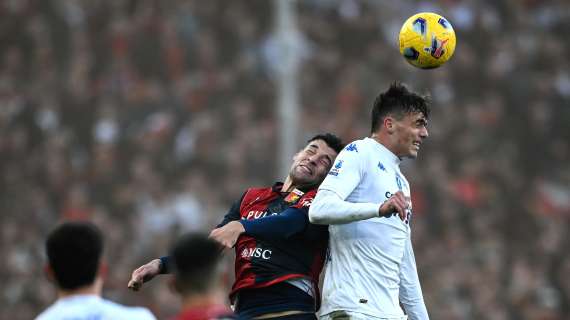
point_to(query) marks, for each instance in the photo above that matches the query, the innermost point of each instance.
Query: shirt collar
(390, 156)
(80, 297)
(277, 186)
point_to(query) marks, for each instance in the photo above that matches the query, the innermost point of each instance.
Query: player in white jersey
(371, 267)
(89, 307)
(74, 252)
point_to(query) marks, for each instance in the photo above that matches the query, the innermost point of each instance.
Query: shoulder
(253, 194)
(91, 306)
(256, 191)
(115, 311)
(47, 314)
(357, 148)
(309, 194)
(305, 200)
(64, 309)
(355, 155)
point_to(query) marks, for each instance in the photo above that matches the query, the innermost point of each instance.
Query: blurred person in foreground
(372, 267)
(279, 254)
(198, 278)
(74, 251)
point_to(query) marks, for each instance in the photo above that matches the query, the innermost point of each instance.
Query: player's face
(311, 165)
(410, 131)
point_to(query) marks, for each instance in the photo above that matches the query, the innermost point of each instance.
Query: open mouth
(417, 145)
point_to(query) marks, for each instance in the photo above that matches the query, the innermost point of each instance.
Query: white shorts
(351, 315)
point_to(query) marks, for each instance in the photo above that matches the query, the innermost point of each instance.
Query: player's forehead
(320, 146)
(416, 116)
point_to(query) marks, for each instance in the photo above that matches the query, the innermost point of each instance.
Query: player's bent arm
(329, 208)
(290, 222)
(410, 289)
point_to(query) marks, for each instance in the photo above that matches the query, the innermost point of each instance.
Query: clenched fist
(397, 203)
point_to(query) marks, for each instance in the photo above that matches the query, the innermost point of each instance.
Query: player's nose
(313, 159)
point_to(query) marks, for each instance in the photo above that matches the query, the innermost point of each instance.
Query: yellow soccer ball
(427, 40)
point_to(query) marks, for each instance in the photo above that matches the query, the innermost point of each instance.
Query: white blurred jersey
(371, 266)
(92, 307)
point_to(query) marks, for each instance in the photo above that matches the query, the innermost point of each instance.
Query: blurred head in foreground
(198, 277)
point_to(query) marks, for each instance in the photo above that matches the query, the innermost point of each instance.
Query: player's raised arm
(330, 205)
(329, 208)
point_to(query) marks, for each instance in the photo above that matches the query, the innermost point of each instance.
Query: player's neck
(288, 185)
(384, 140)
(93, 289)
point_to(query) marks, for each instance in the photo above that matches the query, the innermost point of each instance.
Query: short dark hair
(330, 139)
(398, 100)
(195, 261)
(74, 251)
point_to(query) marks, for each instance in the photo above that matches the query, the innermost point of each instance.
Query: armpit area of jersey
(279, 297)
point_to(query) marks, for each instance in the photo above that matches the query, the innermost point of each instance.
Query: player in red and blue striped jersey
(279, 254)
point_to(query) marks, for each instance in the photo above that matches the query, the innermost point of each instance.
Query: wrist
(162, 265)
(240, 227)
(383, 211)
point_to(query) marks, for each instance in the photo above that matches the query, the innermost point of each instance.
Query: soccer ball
(427, 40)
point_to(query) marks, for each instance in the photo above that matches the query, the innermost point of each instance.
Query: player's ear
(103, 270)
(48, 271)
(173, 286)
(389, 124)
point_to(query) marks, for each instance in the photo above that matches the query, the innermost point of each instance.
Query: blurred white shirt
(92, 307)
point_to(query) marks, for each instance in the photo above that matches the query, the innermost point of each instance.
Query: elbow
(313, 218)
(315, 215)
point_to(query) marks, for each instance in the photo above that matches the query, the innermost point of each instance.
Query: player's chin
(413, 153)
(302, 177)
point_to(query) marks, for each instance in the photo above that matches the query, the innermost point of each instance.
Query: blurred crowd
(151, 117)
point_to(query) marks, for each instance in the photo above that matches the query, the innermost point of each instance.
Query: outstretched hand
(144, 274)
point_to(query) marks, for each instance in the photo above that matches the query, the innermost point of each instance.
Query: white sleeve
(329, 208)
(329, 205)
(410, 290)
(346, 173)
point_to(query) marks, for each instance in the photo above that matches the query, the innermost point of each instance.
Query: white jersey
(371, 266)
(92, 307)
